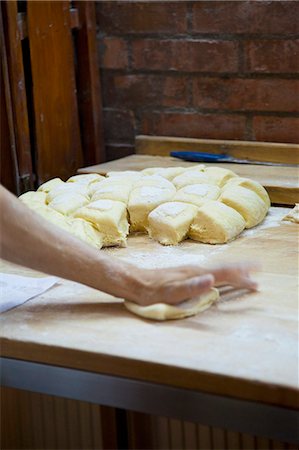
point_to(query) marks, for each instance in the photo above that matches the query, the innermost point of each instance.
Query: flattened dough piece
(169, 223)
(293, 215)
(216, 223)
(219, 175)
(68, 203)
(143, 200)
(192, 177)
(252, 186)
(246, 202)
(162, 311)
(109, 218)
(197, 194)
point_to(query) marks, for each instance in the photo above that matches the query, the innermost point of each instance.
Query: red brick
(185, 55)
(246, 95)
(137, 91)
(279, 56)
(119, 125)
(210, 126)
(260, 17)
(114, 53)
(142, 17)
(276, 129)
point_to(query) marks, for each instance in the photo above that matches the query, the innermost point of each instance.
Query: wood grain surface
(245, 346)
(281, 182)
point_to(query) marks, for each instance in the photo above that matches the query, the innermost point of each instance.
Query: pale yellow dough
(169, 223)
(109, 218)
(33, 197)
(246, 202)
(219, 175)
(88, 178)
(162, 311)
(112, 190)
(86, 232)
(216, 223)
(192, 177)
(49, 185)
(166, 172)
(293, 215)
(251, 185)
(197, 194)
(65, 188)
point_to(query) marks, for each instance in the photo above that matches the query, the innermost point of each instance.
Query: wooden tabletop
(281, 182)
(245, 346)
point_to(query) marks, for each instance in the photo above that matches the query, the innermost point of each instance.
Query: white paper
(16, 290)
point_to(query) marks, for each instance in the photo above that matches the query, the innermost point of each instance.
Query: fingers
(189, 288)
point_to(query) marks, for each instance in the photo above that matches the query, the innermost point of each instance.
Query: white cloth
(16, 290)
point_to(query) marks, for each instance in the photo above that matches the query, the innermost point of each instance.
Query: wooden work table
(244, 348)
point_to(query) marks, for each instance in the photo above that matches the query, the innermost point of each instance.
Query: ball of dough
(86, 232)
(162, 311)
(169, 223)
(252, 186)
(51, 184)
(143, 200)
(65, 188)
(154, 180)
(191, 177)
(52, 216)
(216, 223)
(128, 176)
(88, 178)
(197, 194)
(68, 203)
(166, 172)
(219, 175)
(246, 202)
(112, 190)
(109, 218)
(35, 197)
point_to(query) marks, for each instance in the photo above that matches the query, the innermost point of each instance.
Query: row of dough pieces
(211, 205)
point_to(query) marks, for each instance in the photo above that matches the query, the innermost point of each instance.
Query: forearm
(29, 240)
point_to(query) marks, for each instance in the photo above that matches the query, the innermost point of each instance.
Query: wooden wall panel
(58, 141)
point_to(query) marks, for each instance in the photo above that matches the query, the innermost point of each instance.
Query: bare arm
(31, 241)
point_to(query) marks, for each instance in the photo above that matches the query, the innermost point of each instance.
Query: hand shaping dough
(162, 311)
(109, 218)
(197, 194)
(219, 175)
(192, 177)
(246, 202)
(252, 186)
(169, 223)
(143, 200)
(216, 223)
(293, 215)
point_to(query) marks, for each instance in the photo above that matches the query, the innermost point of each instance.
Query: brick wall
(203, 69)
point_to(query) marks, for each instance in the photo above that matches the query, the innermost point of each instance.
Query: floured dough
(86, 232)
(35, 197)
(143, 200)
(154, 180)
(88, 178)
(52, 216)
(293, 215)
(251, 185)
(219, 175)
(192, 177)
(246, 202)
(51, 184)
(197, 194)
(169, 223)
(112, 190)
(216, 223)
(65, 188)
(109, 218)
(162, 311)
(166, 172)
(68, 203)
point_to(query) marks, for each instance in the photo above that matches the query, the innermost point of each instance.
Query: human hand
(175, 285)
